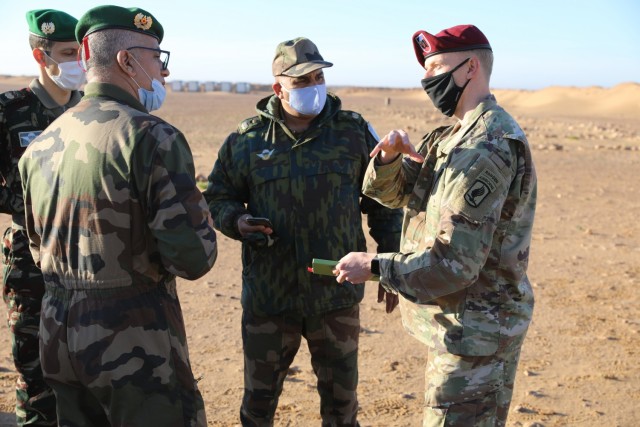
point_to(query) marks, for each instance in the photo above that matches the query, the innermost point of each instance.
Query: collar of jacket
(43, 96)
(466, 125)
(109, 90)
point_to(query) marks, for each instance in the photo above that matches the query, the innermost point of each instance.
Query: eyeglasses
(164, 54)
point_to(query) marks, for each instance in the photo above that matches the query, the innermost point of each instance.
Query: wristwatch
(375, 266)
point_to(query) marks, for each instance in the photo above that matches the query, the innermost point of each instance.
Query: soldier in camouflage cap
(24, 114)
(299, 162)
(113, 215)
(470, 195)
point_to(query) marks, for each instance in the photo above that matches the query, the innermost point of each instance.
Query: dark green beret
(52, 24)
(116, 17)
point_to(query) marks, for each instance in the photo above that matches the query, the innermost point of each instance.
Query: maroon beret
(454, 39)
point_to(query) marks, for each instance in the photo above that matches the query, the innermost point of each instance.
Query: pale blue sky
(536, 43)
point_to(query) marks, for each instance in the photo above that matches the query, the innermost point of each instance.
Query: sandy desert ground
(579, 365)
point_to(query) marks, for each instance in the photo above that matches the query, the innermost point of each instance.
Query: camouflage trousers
(471, 391)
(270, 345)
(23, 288)
(119, 357)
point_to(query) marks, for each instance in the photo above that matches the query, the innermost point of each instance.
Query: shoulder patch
(479, 191)
(248, 124)
(27, 137)
(349, 115)
(372, 131)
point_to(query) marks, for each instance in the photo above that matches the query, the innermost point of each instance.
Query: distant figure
(300, 163)
(470, 196)
(24, 114)
(113, 215)
(387, 101)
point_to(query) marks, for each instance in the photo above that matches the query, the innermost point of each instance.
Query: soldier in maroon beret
(470, 193)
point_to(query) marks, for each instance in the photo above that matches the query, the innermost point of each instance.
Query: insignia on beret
(48, 27)
(143, 22)
(422, 41)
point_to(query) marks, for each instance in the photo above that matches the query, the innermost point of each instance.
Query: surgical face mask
(71, 76)
(443, 90)
(151, 99)
(307, 100)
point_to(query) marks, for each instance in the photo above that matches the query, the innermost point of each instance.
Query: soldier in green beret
(299, 162)
(24, 114)
(113, 215)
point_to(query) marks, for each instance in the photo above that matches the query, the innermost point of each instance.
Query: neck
(59, 95)
(116, 78)
(295, 121)
(470, 99)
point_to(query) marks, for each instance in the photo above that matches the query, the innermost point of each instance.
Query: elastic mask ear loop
(143, 70)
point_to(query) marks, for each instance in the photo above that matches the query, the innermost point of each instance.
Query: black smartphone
(260, 221)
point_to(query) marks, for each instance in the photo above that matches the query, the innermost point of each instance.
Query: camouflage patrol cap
(454, 39)
(51, 24)
(297, 57)
(116, 17)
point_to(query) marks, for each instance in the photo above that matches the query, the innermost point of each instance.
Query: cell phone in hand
(260, 221)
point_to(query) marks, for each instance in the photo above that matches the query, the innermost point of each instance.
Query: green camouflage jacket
(309, 187)
(24, 114)
(466, 232)
(111, 200)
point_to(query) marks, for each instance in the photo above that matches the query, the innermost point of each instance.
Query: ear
(38, 55)
(277, 89)
(474, 67)
(124, 61)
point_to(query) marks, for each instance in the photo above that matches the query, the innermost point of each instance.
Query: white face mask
(151, 99)
(307, 100)
(71, 76)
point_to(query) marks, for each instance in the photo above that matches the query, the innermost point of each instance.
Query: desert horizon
(579, 364)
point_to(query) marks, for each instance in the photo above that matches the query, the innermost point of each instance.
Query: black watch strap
(375, 266)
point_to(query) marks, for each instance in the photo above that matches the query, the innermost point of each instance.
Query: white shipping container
(225, 86)
(192, 86)
(243, 87)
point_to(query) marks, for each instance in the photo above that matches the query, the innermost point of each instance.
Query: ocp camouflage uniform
(23, 115)
(308, 185)
(113, 215)
(463, 260)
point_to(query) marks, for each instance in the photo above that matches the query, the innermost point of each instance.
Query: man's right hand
(394, 143)
(244, 228)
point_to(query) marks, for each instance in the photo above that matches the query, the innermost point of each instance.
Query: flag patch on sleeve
(27, 137)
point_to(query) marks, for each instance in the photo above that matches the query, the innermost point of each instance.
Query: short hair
(40, 43)
(104, 47)
(485, 56)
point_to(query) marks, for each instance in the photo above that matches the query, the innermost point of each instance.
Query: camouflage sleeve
(387, 184)
(10, 182)
(385, 224)
(475, 189)
(34, 238)
(4, 160)
(227, 192)
(177, 212)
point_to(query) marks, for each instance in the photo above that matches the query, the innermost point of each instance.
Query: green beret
(116, 17)
(52, 24)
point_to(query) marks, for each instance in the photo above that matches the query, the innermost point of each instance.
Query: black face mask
(443, 91)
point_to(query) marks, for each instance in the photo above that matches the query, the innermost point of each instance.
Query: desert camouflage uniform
(23, 115)
(113, 215)
(463, 260)
(309, 186)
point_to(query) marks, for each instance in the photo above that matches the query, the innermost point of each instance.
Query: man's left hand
(354, 267)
